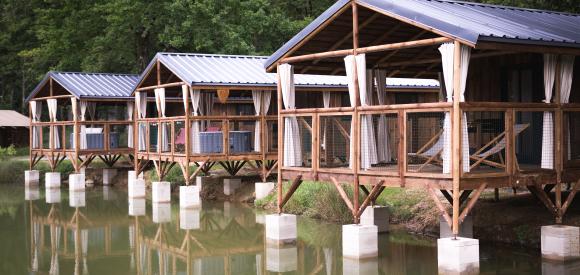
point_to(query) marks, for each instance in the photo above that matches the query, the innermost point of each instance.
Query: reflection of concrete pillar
(458, 256)
(161, 212)
(109, 193)
(360, 241)
(76, 182)
(281, 258)
(161, 191)
(137, 207)
(31, 192)
(560, 268)
(189, 196)
(52, 180)
(189, 218)
(52, 195)
(108, 175)
(465, 229)
(31, 177)
(230, 186)
(376, 215)
(560, 242)
(281, 229)
(263, 189)
(76, 198)
(368, 266)
(227, 209)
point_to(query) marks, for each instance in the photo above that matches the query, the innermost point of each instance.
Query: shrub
(6, 152)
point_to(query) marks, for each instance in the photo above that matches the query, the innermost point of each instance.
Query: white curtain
(326, 104)
(130, 108)
(257, 98)
(52, 111)
(447, 61)
(550, 61)
(83, 117)
(163, 139)
(350, 66)
(566, 76)
(75, 112)
(292, 139)
(383, 145)
(141, 102)
(195, 96)
(36, 111)
(367, 138)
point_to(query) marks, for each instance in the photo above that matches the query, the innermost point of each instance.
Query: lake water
(100, 231)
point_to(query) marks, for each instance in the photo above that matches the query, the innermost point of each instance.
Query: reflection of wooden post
(456, 136)
(280, 139)
(355, 117)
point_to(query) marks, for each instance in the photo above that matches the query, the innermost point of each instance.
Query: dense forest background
(123, 35)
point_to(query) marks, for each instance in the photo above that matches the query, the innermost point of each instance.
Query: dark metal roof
(91, 85)
(238, 70)
(466, 21)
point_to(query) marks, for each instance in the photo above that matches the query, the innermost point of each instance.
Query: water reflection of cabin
(229, 99)
(81, 116)
(511, 122)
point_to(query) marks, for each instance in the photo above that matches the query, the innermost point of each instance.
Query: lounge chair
(495, 146)
(430, 151)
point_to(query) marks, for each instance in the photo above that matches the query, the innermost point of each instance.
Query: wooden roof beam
(387, 57)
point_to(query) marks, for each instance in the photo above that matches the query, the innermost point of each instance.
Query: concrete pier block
(31, 193)
(83, 170)
(76, 182)
(137, 207)
(458, 256)
(376, 215)
(263, 189)
(360, 241)
(31, 177)
(161, 192)
(52, 180)
(465, 229)
(281, 258)
(560, 242)
(136, 188)
(108, 175)
(189, 196)
(161, 212)
(52, 195)
(260, 217)
(189, 218)
(131, 176)
(281, 229)
(368, 266)
(77, 198)
(230, 186)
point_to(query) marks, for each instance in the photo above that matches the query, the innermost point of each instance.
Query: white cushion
(94, 130)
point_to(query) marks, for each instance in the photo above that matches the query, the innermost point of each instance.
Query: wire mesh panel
(534, 147)
(425, 142)
(153, 136)
(141, 137)
(207, 137)
(179, 136)
(297, 141)
(487, 141)
(335, 138)
(45, 137)
(242, 135)
(383, 155)
(165, 141)
(69, 142)
(571, 135)
(119, 136)
(272, 136)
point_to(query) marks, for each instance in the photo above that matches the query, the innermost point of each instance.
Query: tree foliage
(123, 35)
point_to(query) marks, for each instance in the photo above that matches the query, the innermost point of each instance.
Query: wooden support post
(280, 140)
(456, 137)
(315, 145)
(187, 134)
(356, 118)
(30, 133)
(558, 156)
(402, 152)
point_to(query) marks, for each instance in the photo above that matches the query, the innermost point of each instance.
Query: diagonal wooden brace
(569, 199)
(295, 184)
(439, 205)
(343, 195)
(471, 201)
(373, 194)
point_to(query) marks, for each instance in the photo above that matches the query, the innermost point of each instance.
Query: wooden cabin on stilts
(80, 117)
(507, 116)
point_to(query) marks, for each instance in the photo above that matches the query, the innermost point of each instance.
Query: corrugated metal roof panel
(92, 85)
(467, 21)
(10, 118)
(237, 70)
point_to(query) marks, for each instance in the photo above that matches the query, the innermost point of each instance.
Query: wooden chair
(495, 146)
(430, 151)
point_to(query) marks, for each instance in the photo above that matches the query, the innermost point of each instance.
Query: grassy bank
(412, 208)
(12, 170)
